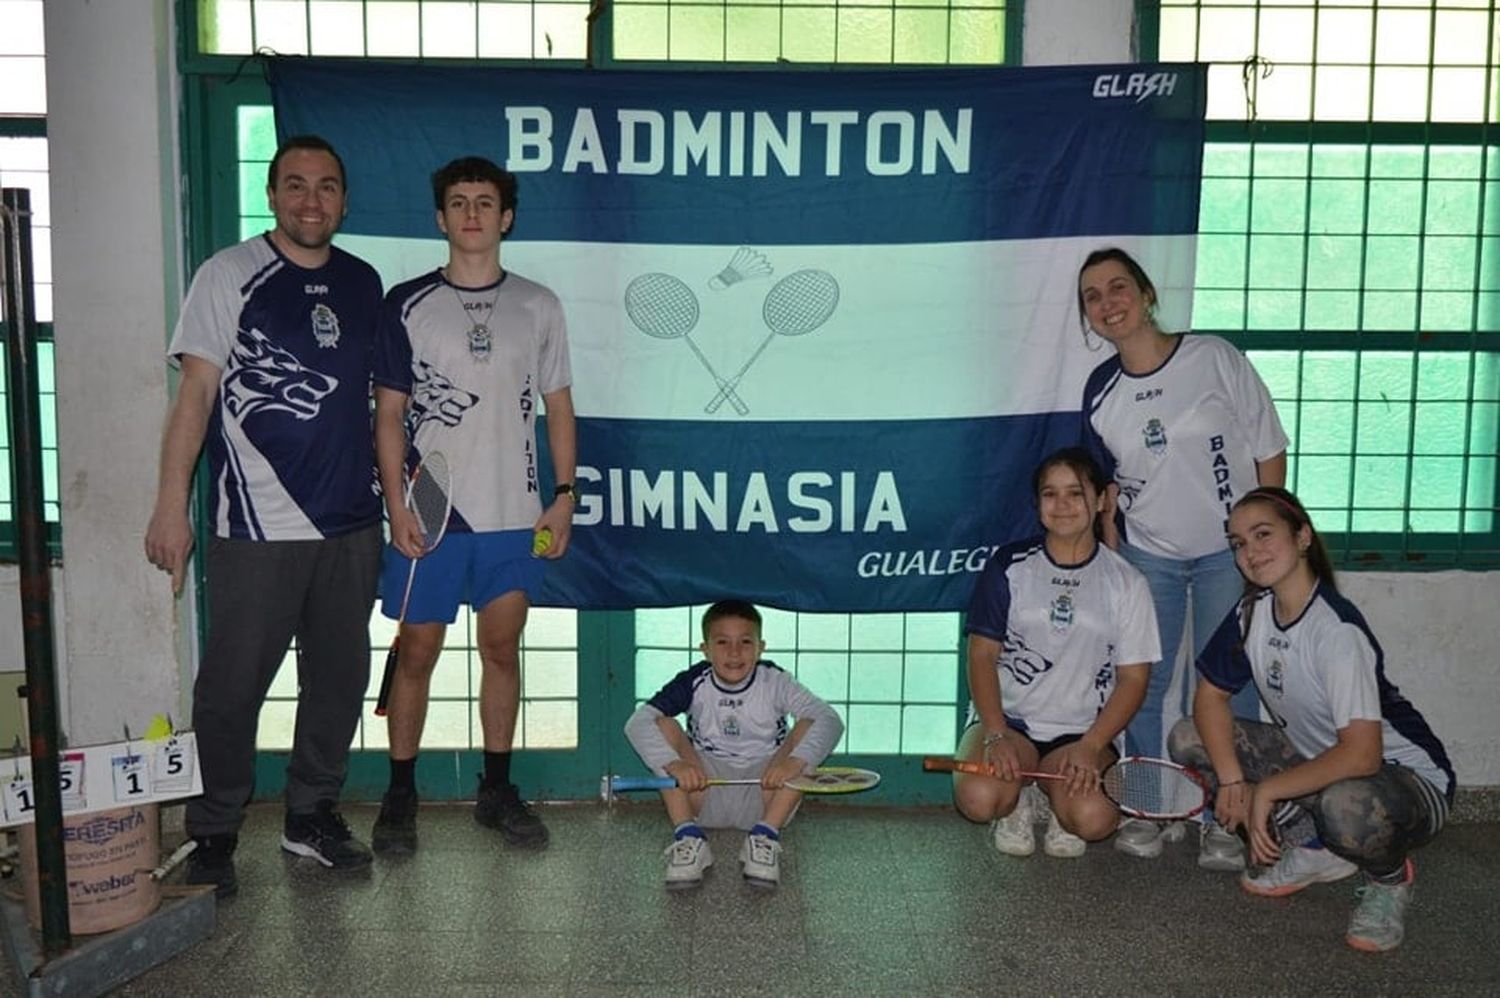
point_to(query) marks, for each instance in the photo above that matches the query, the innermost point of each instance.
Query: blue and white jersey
(1318, 673)
(746, 724)
(1181, 441)
(1062, 630)
(474, 396)
(290, 443)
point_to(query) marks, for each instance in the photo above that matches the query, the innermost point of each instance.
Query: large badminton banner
(823, 325)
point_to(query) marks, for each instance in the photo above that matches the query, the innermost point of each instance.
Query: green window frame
(1348, 243)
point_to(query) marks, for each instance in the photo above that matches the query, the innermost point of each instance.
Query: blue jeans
(1214, 585)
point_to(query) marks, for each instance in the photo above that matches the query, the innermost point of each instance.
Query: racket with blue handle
(826, 780)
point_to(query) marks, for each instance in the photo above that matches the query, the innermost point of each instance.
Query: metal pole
(19, 312)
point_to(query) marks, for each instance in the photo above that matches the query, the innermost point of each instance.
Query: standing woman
(1183, 426)
(1061, 637)
(1346, 749)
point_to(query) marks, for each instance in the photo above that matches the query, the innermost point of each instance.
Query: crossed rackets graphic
(664, 307)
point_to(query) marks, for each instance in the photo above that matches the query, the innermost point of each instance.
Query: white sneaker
(1220, 850)
(687, 858)
(1299, 867)
(1059, 842)
(1139, 837)
(1013, 834)
(761, 855)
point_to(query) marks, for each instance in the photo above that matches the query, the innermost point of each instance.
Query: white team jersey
(1181, 442)
(1318, 673)
(745, 725)
(1062, 630)
(475, 397)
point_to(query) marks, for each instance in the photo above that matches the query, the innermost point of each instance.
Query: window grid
(1363, 244)
(548, 716)
(904, 32)
(23, 163)
(892, 678)
(1412, 60)
(895, 32)
(429, 29)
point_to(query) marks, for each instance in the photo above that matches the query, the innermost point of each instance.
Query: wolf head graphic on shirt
(435, 397)
(262, 377)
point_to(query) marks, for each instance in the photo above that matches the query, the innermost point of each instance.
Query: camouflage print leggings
(1373, 821)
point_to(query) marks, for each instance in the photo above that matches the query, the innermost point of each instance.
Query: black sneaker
(502, 809)
(395, 830)
(325, 836)
(213, 863)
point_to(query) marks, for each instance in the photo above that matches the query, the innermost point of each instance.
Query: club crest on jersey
(732, 726)
(325, 326)
(480, 342)
(1156, 436)
(1274, 678)
(1062, 611)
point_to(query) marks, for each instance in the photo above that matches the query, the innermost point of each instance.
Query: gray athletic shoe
(1379, 923)
(1220, 850)
(1139, 837)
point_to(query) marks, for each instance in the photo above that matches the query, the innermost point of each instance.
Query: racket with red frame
(429, 494)
(1141, 787)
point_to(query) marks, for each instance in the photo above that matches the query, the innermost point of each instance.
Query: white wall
(112, 110)
(111, 139)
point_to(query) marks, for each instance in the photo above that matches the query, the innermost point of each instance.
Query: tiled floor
(874, 901)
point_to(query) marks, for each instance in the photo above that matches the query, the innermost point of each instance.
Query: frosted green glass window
(908, 32)
(891, 677)
(441, 29)
(548, 717)
(23, 163)
(1340, 60)
(1349, 240)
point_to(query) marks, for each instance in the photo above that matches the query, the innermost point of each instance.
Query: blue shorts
(463, 568)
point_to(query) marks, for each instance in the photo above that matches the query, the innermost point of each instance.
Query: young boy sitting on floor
(736, 705)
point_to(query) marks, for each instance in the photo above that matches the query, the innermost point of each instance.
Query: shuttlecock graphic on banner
(745, 265)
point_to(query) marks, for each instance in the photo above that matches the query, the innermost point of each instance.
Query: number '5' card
(98, 777)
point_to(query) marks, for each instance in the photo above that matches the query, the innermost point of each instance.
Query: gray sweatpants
(1372, 821)
(261, 594)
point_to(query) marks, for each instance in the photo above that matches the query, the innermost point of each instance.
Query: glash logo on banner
(1137, 85)
(737, 144)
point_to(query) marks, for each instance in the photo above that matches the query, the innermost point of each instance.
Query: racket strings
(1152, 788)
(429, 497)
(661, 305)
(800, 302)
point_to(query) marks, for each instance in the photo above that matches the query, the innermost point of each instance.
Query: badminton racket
(796, 305)
(826, 780)
(1139, 786)
(663, 307)
(429, 494)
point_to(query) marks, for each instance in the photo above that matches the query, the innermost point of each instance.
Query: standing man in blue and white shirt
(274, 343)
